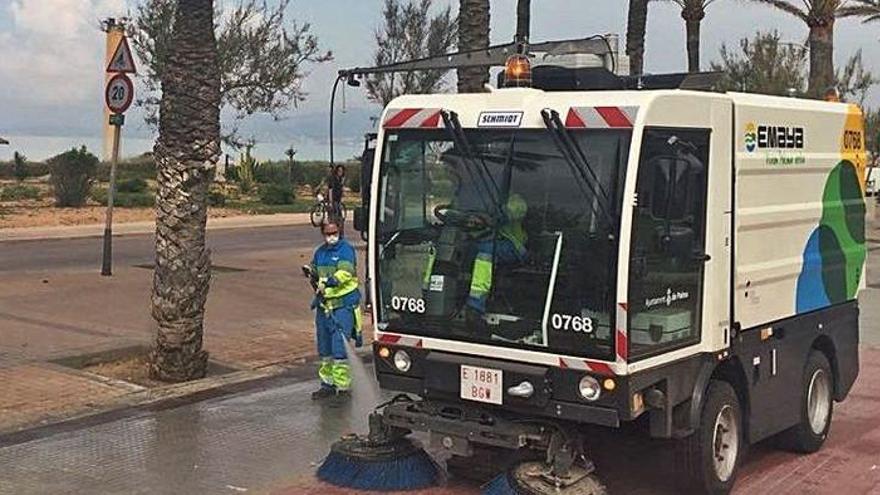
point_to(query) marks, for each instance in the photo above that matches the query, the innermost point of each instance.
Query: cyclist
(335, 190)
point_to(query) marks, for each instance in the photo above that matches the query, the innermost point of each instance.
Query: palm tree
(693, 12)
(473, 34)
(186, 156)
(819, 16)
(869, 9)
(523, 20)
(636, 24)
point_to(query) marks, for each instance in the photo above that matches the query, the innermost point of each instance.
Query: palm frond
(869, 9)
(788, 7)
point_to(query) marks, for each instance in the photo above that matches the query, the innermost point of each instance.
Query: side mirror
(361, 221)
(367, 168)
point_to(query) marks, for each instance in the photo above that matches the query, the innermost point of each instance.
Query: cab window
(668, 241)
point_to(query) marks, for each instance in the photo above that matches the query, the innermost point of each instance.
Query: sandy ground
(43, 214)
(133, 370)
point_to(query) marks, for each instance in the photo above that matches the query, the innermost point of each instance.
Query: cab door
(679, 280)
(668, 253)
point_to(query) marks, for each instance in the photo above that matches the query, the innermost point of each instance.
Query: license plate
(481, 384)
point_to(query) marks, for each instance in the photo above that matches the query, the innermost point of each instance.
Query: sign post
(118, 97)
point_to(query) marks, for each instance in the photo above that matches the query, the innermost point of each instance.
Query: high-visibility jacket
(508, 247)
(336, 267)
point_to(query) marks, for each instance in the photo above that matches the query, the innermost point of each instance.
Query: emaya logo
(668, 299)
(751, 137)
(778, 137)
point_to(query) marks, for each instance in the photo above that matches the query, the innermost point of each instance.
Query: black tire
(697, 453)
(805, 437)
(316, 216)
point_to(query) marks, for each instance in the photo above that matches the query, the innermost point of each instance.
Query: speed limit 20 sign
(119, 93)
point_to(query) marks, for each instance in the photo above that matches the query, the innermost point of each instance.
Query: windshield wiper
(388, 243)
(417, 234)
(576, 160)
(453, 127)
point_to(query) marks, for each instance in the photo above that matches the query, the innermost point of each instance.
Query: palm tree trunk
(473, 34)
(693, 44)
(636, 24)
(821, 57)
(186, 156)
(523, 20)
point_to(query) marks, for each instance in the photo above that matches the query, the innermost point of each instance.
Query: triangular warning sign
(122, 60)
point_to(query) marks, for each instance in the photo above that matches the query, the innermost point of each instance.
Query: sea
(39, 148)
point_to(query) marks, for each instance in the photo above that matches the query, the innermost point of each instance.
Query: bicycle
(319, 213)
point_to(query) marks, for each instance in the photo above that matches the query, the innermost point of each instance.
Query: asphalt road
(85, 253)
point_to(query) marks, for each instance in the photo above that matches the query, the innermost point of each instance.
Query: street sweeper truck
(582, 249)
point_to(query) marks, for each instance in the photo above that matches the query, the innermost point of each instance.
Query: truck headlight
(402, 361)
(589, 388)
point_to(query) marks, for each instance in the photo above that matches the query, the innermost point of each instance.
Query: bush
(135, 185)
(19, 192)
(216, 198)
(19, 166)
(312, 174)
(99, 195)
(125, 199)
(271, 173)
(135, 200)
(72, 176)
(33, 169)
(276, 194)
(140, 167)
(246, 170)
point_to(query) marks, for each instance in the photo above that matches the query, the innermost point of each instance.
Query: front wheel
(712, 454)
(316, 216)
(816, 407)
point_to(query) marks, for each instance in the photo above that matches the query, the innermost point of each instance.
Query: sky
(51, 63)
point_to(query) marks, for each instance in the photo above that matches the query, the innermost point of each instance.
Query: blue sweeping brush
(394, 465)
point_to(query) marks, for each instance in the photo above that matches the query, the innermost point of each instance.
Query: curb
(144, 401)
(150, 400)
(143, 228)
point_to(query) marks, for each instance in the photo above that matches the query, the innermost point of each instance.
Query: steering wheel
(468, 220)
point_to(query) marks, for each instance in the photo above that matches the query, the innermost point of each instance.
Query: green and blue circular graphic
(835, 252)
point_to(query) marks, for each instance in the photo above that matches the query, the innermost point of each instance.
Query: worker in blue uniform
(337, 306)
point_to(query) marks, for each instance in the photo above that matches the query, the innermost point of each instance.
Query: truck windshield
(500, 243)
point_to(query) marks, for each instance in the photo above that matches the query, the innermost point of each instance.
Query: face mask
(331, 239)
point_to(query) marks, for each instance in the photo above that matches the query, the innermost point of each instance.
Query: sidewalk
(257, 320)
(131, 228)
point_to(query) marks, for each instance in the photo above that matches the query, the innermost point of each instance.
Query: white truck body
(781, 194)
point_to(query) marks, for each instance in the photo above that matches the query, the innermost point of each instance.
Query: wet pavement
(224, 445)
(270, 440)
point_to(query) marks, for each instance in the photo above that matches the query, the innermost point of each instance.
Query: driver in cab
(508, 247)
